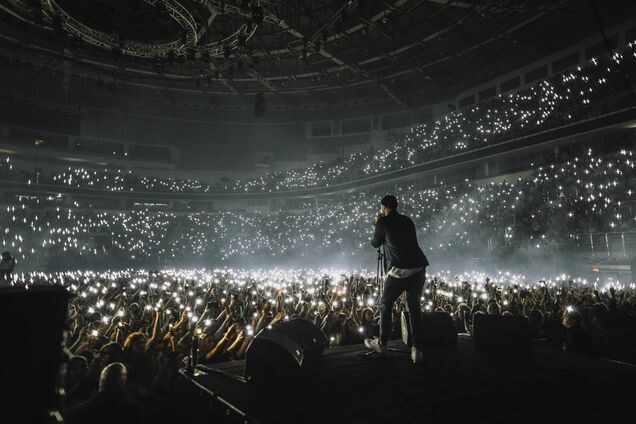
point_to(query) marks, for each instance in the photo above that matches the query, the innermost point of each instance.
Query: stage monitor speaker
(501, 335)
(437, 330)
(287, 350)
(33, 327)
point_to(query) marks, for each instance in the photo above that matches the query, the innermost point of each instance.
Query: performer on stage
(407, 273)
(7, 265)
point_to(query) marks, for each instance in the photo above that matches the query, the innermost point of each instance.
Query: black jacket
(397, 232)
(7, 264)
(106, 408)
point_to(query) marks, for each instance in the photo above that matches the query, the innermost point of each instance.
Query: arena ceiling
(407, 53)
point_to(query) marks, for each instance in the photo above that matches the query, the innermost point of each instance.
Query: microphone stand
(379, 269)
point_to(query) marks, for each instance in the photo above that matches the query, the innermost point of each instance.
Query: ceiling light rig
(54, 12)
(189, 42)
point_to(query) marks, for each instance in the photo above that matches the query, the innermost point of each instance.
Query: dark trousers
(393, 288)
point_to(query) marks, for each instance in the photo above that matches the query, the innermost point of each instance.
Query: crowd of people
(145, 322)
(541, 212)
(584, 193)
(602, 85)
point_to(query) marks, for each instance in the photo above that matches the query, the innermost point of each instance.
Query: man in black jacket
(406, 272)
(109, 405)
(7, 265)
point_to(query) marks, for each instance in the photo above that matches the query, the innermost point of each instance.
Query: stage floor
(462, 384)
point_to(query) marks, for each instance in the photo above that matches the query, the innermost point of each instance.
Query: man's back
(7, 264)
(397, 231)
(107, 407)
(406, 274)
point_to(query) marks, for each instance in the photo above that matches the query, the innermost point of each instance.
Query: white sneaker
(374, 345)
(416, 356)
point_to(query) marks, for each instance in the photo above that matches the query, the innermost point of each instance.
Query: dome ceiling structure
(322, 52)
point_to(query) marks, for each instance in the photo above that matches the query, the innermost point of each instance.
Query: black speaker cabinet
(287, 350)
(437, 330)
(502, 336)
(34, 321)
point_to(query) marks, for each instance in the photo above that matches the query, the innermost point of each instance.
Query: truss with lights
(179, 12)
